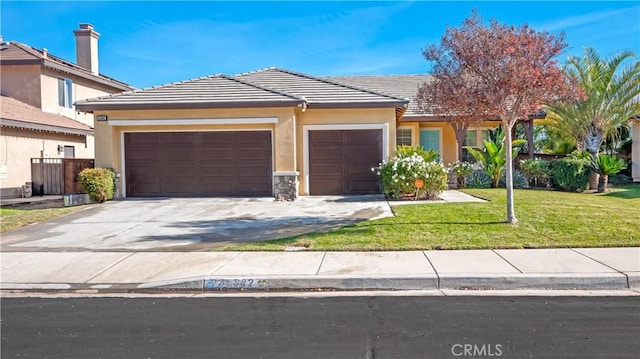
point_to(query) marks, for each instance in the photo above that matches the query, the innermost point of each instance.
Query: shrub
(606, 165)
(98, 182)
(479, 179)
(461, 170)
(398, 177)
(519, 180)
(569, 174)
(408, 151)
(536, 171)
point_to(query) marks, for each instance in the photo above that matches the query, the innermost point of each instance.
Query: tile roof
(398, 85)
(14, 113)
(323, 92)
(216, 91)
(15, 53)
(263, 88)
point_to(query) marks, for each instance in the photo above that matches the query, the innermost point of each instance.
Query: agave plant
(493, 157)
(606, 165)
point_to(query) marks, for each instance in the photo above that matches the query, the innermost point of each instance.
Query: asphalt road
(341, 327)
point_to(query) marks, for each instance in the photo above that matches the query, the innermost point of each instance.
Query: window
(65, 93)
(472, 140)
(403, 137)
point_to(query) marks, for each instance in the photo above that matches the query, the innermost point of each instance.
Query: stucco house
(271, 132)
(38, 116)
(635, 148)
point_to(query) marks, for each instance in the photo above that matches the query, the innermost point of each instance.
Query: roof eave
(43, 127)
(385, 104)
(92, 77)
(91, 107)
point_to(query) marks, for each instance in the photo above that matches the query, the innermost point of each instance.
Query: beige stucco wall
(635, 150)
(22, 83)
(17, 147)
(341, 117)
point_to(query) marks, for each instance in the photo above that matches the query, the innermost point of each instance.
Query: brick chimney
(87, 47)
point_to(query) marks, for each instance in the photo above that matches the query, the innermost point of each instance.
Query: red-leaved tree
(493, 72)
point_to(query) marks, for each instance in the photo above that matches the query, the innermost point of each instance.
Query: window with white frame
(404, 137)
(474, 138)
(65, 92)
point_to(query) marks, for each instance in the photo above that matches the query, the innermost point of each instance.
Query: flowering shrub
(398, 176)
(461, 170)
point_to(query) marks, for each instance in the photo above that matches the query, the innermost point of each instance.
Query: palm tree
(611, 98)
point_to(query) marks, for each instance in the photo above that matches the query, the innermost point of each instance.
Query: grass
(17, 217)
(548, 219)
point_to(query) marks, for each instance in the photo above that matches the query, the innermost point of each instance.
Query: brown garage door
(340, 161)
(184, 164)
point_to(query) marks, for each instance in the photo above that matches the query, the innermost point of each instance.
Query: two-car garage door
(182, 164)
(239, 163)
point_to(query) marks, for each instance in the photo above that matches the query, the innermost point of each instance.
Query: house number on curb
(234, 283)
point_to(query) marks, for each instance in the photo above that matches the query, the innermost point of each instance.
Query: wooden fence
(57, 176)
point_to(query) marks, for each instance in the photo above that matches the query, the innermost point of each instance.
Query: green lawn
(547, 219)
(14, 218)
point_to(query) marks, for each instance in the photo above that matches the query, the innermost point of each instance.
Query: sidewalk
(591, 269)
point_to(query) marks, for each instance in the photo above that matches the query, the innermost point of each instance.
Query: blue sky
(151, 43)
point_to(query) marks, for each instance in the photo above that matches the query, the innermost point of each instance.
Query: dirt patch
(52, 203)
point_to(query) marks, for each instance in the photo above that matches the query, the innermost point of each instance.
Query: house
(39, 119)
(268, 132)
(635, 148)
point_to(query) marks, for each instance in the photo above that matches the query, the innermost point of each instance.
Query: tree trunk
(603, 183)
(593, 141)
(511, 215)
(461, 132)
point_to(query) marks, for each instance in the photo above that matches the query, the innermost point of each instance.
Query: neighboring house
(635, 148)
(38, 114)
(256, 133)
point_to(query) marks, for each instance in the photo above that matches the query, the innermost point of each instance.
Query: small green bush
(536, 171)
(519, 180)
(479, 179)
(99, 183)
(461, 170)
(408, 151)
(570, 175)
(398, 176)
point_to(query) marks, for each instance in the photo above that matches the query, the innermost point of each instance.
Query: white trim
(286, 173)
(123, 176)
(194, 121)
(439, 129)
(305, 141)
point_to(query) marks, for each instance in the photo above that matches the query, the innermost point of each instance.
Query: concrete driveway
(191, 224)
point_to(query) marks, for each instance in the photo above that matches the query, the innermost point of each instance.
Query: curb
(563, 281)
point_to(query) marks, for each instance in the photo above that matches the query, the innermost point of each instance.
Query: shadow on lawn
(631, 192)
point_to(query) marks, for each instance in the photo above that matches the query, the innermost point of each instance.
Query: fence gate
(57, 176)
(71, 169)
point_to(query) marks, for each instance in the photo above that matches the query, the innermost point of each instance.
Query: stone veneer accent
(285, 186)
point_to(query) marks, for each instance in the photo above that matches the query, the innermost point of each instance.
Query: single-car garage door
(183, 164)
(340, 161)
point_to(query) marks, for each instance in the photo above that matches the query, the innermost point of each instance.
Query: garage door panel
(199, 163)
(340, 161)
(325, 137)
